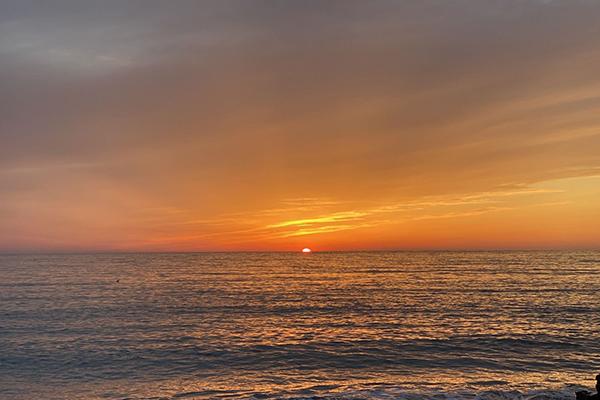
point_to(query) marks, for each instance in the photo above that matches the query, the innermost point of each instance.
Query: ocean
(364, 325)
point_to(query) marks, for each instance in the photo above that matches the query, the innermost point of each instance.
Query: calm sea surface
(367, 325)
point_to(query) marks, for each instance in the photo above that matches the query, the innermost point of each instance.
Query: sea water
(365, 325)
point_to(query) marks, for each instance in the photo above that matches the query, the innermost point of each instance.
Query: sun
(306, 250)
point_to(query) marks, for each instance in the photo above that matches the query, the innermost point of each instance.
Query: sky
(277, 125)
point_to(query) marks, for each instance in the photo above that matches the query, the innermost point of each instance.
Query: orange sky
(242, 125)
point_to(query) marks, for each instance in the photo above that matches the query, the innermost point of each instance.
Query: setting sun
(306, 250)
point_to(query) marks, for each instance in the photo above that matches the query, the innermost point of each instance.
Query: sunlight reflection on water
(285, 325)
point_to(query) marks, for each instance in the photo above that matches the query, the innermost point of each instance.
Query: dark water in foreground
(352, 325)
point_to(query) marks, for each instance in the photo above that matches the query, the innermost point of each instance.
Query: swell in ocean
(567, 392)
(433, 325)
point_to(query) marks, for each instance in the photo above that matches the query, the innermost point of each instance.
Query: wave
(388, 393)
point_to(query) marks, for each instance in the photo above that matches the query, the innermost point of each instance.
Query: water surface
(286, 325)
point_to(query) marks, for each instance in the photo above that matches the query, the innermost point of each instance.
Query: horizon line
(424, 250)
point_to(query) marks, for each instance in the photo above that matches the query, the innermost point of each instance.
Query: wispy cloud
(436, 207)
(336, 217)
